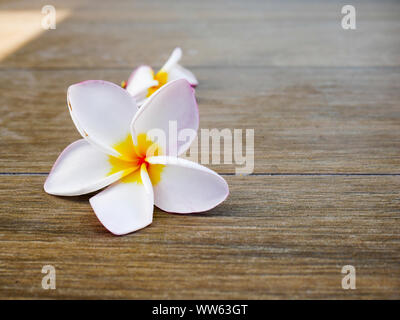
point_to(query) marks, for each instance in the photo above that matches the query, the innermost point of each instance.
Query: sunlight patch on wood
(18, 27)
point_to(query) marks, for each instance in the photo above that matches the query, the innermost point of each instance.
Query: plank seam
(129, 67)
(233, 174)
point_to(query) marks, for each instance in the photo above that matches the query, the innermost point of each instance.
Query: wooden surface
(324, 103)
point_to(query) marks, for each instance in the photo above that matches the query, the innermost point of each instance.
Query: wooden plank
(281, 237)
(309, 120)
(229, 33)
(323, 102)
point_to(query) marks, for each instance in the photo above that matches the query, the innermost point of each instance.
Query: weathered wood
(214, 33)
(280, 237)
(305, 119)
(324, 104)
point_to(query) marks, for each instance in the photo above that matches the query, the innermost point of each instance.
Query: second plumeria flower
(143, 82)
(117, 151)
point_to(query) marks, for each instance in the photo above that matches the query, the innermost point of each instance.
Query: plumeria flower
(116, 151)
(142, 82)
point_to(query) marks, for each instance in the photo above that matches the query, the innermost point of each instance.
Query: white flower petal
(187, 187)
(172, 60)
(80, 169)
(139, 82)
(172, 104)
(179, 72)
(102, 113)
(125, 207)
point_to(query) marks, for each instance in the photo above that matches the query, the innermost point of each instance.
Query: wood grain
(214, 33)
(281, 237)
(324, 104)
(313, 120)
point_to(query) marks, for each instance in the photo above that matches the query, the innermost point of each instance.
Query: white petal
(80, 169)
(172, 60)
(187, 187)
(174, 104)
(125, 207)
(139, 82)
(102, 113)
(179, 72)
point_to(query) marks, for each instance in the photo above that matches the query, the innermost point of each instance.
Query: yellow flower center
(162, 78)
(133, 156)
